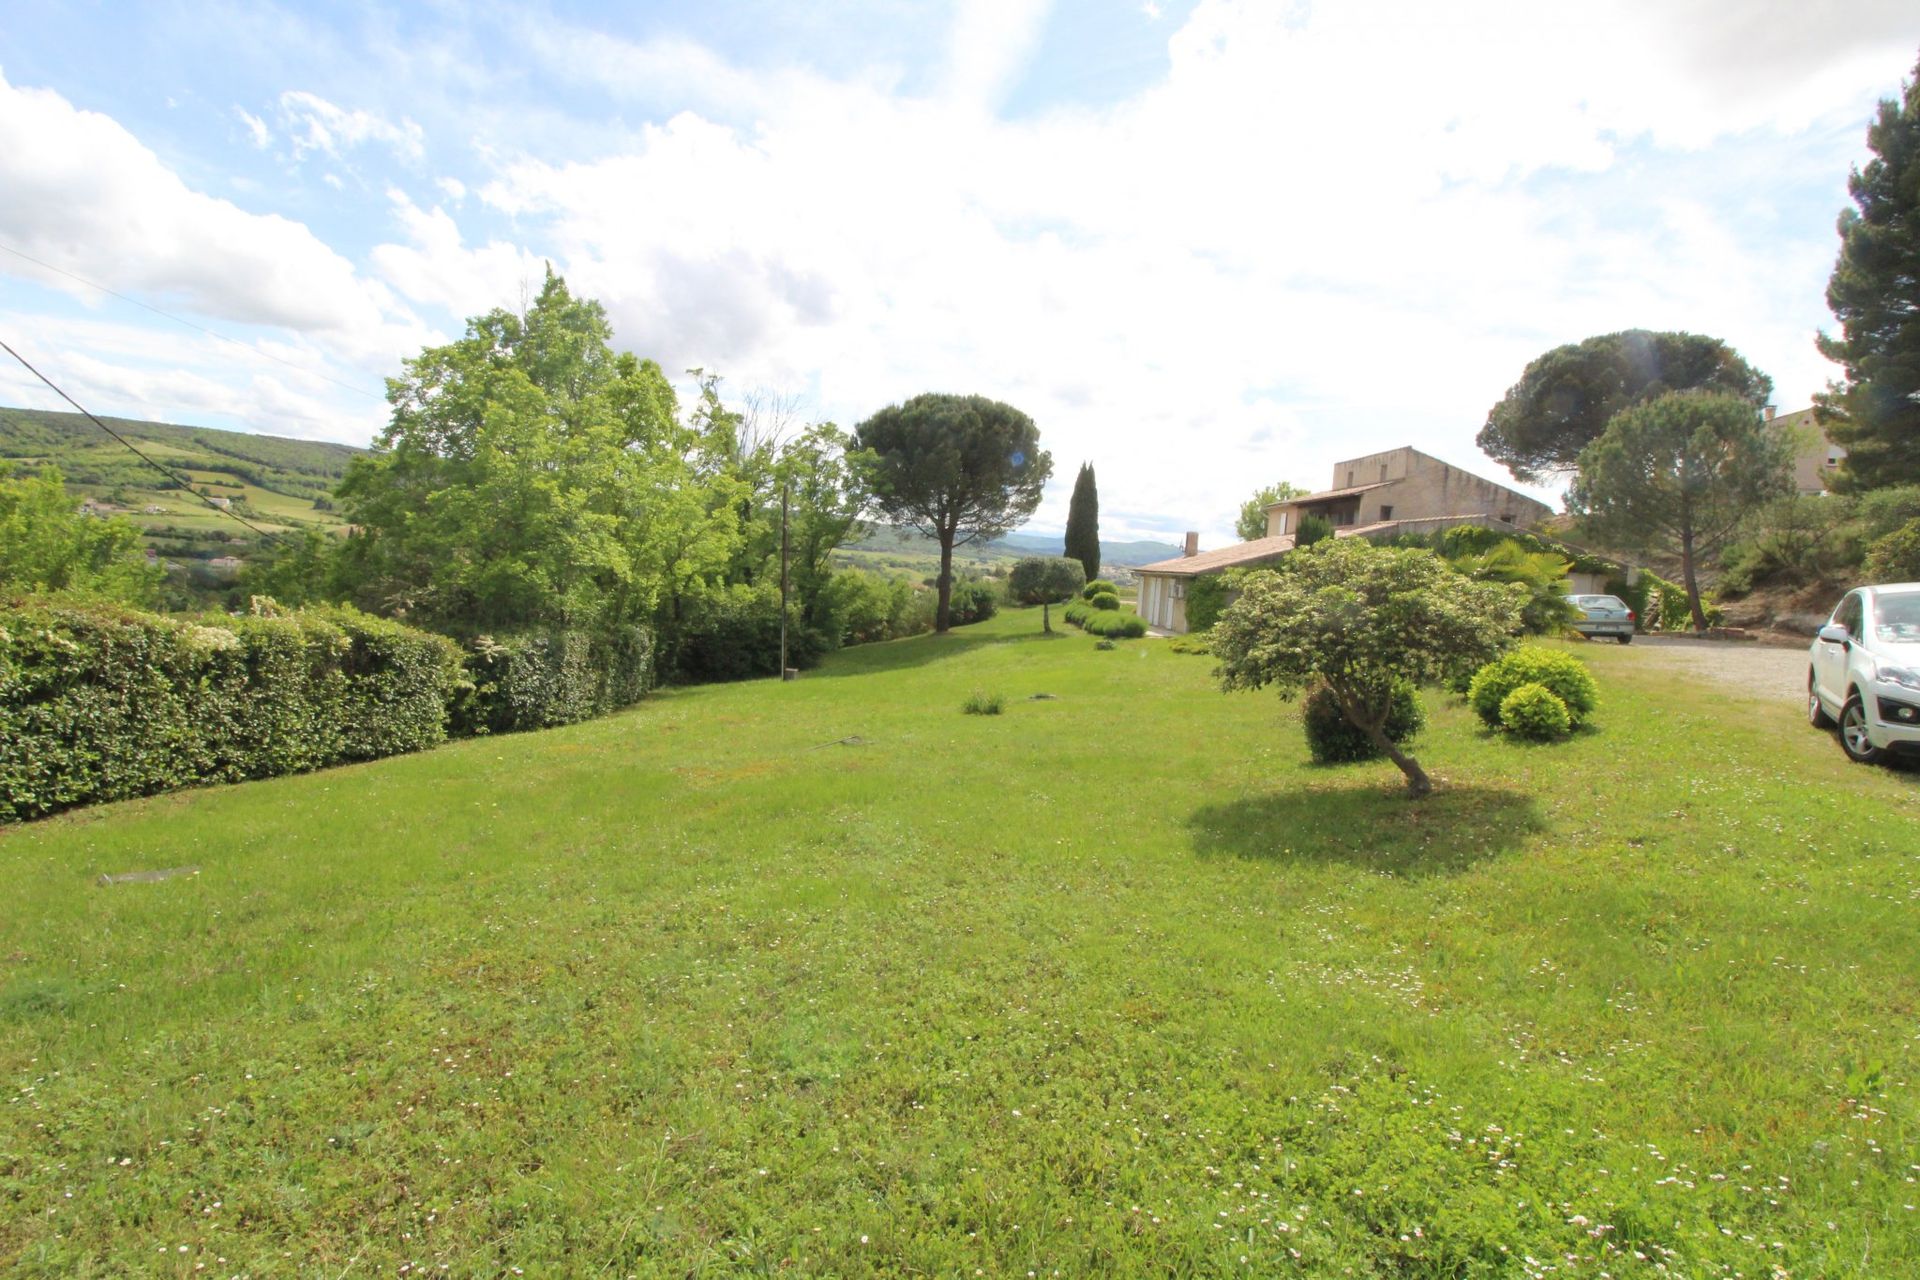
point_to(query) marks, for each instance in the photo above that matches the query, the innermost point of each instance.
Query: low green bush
(99, 702)
(1096, 586)
(1563, 674)
(1896, 557)
(1077, 613)
(1121, 626)
(1105, 644)
(1190, 644)
(972, 601)
(1536, 713)
(1104, 600)
(1333, 739)
(983, 704)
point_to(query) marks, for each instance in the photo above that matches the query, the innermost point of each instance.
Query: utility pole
(786, 672)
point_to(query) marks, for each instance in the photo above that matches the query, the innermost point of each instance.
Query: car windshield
(1897, 618)
(1600, 602)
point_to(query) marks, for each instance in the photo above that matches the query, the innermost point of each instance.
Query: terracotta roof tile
(1240, 553)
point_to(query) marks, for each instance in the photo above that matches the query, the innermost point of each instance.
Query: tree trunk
(1691, 581)
(1046, 617)
(944, 584)
(1418, 783)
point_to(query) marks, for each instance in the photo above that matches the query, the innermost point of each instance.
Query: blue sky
(1207, 245)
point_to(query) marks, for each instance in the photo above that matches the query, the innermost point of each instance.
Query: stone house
(1815, 458)
(1379, 495)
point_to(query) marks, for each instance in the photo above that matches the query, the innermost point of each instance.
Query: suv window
(1848, 614)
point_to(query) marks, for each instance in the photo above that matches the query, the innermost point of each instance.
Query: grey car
(1603, 617)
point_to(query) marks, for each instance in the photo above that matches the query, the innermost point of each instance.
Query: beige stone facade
(1379, 495)
(1815, 458)
(1403, 485)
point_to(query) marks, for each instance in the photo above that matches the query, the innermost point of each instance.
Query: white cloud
(436, 268)
(257, 130)
(85, 195)
(313, 124)
(1327, 229)
(1321, 226)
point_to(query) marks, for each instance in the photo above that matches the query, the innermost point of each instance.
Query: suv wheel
(1853, 733)
(1625, 638)
(1816, 714)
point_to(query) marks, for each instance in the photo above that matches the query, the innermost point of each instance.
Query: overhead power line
(168, 315)
(183, 481)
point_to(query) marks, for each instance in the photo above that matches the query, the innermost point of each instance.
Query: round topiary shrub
(1333, 740)
(1104, 600)
(1536, 713)
(1125, 626)
(1095, 587)
(1563, 674)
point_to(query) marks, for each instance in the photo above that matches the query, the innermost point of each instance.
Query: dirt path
(1759, 670)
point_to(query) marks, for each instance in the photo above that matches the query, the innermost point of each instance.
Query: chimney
(1767, 410)
(1193, 544)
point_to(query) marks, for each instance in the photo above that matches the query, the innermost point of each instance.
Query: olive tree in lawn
(1358, 618)
(1046, 581)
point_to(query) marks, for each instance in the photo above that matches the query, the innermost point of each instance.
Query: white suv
(1864, 671)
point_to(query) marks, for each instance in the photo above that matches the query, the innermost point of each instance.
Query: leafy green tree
(1361, 619)
(828, 491)
(1679, 474)
(958, 469)
(1253, 512)
(1312, 529)
(531, 477)
(1083, 522)
(47, 545)
(1565, 398)
(1046, 581)
(1875, 294)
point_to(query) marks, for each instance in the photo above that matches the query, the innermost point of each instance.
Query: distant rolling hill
(279, 484)
(888, 547)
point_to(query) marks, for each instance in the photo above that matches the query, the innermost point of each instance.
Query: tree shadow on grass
(1371, 828)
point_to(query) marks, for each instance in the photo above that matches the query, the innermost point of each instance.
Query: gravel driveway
(1758, 670)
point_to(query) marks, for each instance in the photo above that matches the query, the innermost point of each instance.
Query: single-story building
(1381, 495)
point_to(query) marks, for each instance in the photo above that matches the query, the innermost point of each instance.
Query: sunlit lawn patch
(826, 978)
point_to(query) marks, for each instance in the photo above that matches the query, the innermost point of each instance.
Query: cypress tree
(1875, 294)
(1083, 523)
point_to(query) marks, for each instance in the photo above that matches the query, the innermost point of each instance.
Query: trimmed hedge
(99, 702)
(1333, 739)
(1096, 586)
(1126, 626)
(1563, 674)
(539, 680)
(1105, 600)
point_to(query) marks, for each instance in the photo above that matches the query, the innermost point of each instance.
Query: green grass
(826, 978)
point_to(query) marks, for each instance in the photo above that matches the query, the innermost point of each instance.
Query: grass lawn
(1111, 984)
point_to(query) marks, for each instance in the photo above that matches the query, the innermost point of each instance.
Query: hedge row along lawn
(828, 978)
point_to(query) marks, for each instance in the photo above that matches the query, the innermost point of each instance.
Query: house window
(1386, 513)
(1383, 473)
(1179, 590)
(1507, 519)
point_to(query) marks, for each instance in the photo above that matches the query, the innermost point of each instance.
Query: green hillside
(278, 484)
